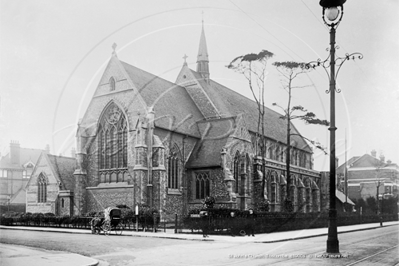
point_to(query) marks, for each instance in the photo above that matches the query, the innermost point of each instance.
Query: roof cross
(185, 57)
(114, 48)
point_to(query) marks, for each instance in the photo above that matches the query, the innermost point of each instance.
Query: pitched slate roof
(341, 196)
(215, 134)
(231, 103)
(341, 168)
(174, 108)
(26, 155)
(64, 168)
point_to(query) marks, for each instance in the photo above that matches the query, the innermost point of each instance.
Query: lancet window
(202, 185)
(41, 188)
(174, 168)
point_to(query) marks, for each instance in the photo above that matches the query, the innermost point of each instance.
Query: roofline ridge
(150, 73)
(272, 110)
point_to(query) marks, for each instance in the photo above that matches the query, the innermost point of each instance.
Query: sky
(53, 53)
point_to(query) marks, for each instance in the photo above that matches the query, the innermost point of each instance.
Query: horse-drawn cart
(110, 222)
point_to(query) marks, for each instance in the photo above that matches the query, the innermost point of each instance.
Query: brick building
(145, 140)
(368, 174)
(51, 185)
(15, 170)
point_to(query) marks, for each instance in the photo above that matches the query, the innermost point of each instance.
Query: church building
(146, 140)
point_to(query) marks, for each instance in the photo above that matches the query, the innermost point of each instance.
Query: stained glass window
(112, 143)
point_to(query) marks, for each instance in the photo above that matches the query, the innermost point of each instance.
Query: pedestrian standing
(205, 223)
(232, 223)
(251, 222)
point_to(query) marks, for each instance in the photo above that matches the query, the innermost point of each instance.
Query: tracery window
(41, 188)
(173, 168)
(112, 145)
(202, 185)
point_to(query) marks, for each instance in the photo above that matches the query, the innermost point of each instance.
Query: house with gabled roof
(15, 170)
(146, 140)
(51, 185)
(369, 176)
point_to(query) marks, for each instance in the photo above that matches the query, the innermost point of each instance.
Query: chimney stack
(382, 158)
(374, 153)
(15, 152)
(47, 149)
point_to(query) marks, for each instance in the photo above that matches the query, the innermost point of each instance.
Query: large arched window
(112, 145)
(41, 188)
(173, 168)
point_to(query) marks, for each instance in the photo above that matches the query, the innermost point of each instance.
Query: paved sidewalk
(12, 255)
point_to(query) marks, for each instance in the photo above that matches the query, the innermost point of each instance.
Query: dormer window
(112, 84)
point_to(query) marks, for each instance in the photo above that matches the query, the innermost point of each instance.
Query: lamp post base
(332, 246)
(332, 240)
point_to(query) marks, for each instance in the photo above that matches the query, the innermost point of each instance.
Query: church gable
(241, 131)
(115, 86)
(191, 83)
(43, 166)
(173, 107)
(114, 79)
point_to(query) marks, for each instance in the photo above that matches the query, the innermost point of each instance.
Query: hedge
(219, 221)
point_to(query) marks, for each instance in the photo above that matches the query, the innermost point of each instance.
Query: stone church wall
(99, 199)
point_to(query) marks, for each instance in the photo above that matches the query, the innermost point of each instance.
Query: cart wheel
(106, 227)
(242, 233)
(118, 229)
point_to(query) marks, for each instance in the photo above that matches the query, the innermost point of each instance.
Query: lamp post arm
(341, 60)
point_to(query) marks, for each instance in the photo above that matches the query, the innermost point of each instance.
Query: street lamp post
(333, 11)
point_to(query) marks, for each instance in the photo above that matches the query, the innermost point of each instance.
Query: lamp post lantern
(332, 13)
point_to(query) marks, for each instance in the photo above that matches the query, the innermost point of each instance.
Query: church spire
(202, 58)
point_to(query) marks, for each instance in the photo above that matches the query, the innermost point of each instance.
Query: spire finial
(114, 48)
(202, 18)
(185, 57)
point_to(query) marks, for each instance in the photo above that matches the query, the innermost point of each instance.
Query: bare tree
(253, 67)
(290, 71)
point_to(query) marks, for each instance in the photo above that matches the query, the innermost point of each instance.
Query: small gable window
(112, 84)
